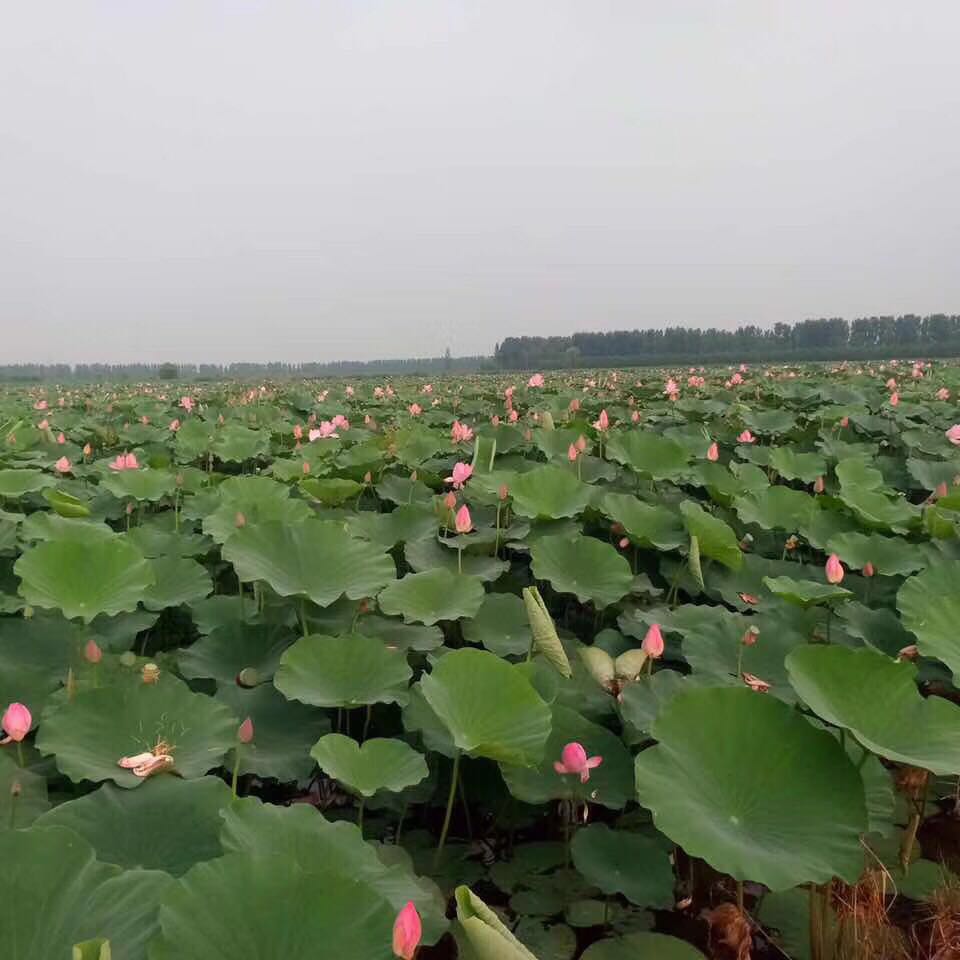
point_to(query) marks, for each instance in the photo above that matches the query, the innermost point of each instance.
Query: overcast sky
(232, 180)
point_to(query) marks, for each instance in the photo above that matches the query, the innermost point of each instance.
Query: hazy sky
(232, 180)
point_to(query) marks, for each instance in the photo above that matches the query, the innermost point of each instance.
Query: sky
(198, 181)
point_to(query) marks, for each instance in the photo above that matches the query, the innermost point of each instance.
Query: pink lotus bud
(245, 731)
(572, 453)
(713, 452)
(844, 421)
(87, 449)
(941, 490)
(624, 543)
(92, 652)
(450, 501)
(953, 434)
(407, 932)
(62, 465)
(581, 443)
(834, 569)
(750, 636)
(503, 492)
(818, 485)
(894, 399)
(462, 521)
(653, 642)
(868, 569)
(574, 759)
(16, 723)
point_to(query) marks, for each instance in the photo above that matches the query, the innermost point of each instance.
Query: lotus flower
(943, 394)
(603, 422)
(462, 472)
(953, 434)
(125, 461)
(572, 453)
(653, 642)
(16, 723)
(713, 452)
(245, 731)
(755, 683)
(92, 652)
(574, 759)
(894, 399)
(407, 932)
(834, 569)
(746, 437)
(818, 485)
(462, 521)
(415, 409)
(868, 569)
(536, 380)
(62, 465)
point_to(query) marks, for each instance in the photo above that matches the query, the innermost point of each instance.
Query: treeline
(832, 338)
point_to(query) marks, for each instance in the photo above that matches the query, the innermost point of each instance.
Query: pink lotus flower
(415, 409)
(43, 425)
(953, 434)
(92, 652)
(450, 501)
(297, 432)
(174, 425)
(514, 416)
(427, 388)
(462, 521)
(536, 380)
(834, 569)
(40, 405)
(245, 731)
(186, 403)
(943, 394)
(581, 443)
(736, 380)
(653, 642)
(755, 683)
(574, 405)
(407, 932)
(462, 472)
(746, 437)
(603, 422)
(61, 438)
(349, 391)
(503, 492)
(62, 465)
(16, 723)
(460, 432)
(894, 399)
(671, 387)
(495, 420)
(713, 452)
(125, 461)
(572, 453)
(635, 416)
(574, 759)
(340, 422)
(326, 431)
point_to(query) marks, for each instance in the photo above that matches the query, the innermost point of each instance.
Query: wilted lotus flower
(755, 683)
(16, 723)
(909, 652)
(834, 569)
(750, 636)
(407, 932)
(150, 673)
(574, 759)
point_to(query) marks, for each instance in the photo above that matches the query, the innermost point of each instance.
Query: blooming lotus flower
(186, 403)
(245, 731)
(653, 642)
(92, 652)
(713, 452)
(415, 409)
(16, 723)
(574, 759)
(125, 461)
(603, 422)
(943, 394)
(43, 425)
(174, 425)
(635, 416)
(462, 521)
(894, 399)
(746, 437)
(61, 438)
(62, 465)
(148, 763)
(406, 932)
(953, 434)
(536, 380)
(339, 422)
(462, 472)
(834, 569)
(514, 416)
(40, 405)
(891, 384)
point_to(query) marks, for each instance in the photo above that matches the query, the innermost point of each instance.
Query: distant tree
(168, 371)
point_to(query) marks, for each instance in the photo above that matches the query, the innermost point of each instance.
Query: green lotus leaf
(300, 835)
(330, 491)
(227, 650)
(554, 941)
(776, 508)
(610, 784)
(236, 443)
(584, 566)
(406, 524)
(642, 946)
(403, 490)
(169, 824)
(50, 526)
(432, 596)
(419, 718)
(98, 949)
(176, 580)
(620, 862)
(90, 734)
(73, 898)
(715, 538)
(403, 636)
(284, 730)
(543, 631)
(377, 764)
(314, 559)
(869, 504)
(84, 579)
(931, 473)
(431, 554)
(23, 794)
(743, 781)
(15, 483)
(259, 500)
(890, 556)
(769, 421)
(147, 485)
(246, 906)
(154, 541)
(930, 607)
(500, 625)
(461, 691)
(805, 593)
(793, 464)
(549, 492)
(877, 699)
(651, 525)
(645, 452)
(881, 628)
(486, 934)
(346, 671)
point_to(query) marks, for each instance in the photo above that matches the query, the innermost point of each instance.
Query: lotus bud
(16, 722)
(462, 521)
(239, 520)
(503, 492)
(450, 501)
(624, 543)
(868, 569)
(407, 931)
(653, 642)
(92, 652)
(833, 569)
(150, 673)
(245, 731)
(750, 636)
(818, 485)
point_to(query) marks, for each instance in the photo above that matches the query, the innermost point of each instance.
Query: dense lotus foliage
(654, 664)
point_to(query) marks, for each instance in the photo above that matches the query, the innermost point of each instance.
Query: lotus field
(648, 664)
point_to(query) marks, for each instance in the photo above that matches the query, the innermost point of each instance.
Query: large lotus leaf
(84, 579)
(432, 596)
(584, 566)
(776, 508)
(331, 491)
(149, 485)
(743, 781)
(23, 794)
(283, 732)
(487, 936)
(227, 650)
(403, 490)
(419, 718)
(715, 538)
(861, 490)
(890, 556)
(805, 593)
(617, 861)
(237, 443)
(154, 540)
(222, 524)
(642, 946)
(346, 671)
(403, 636)
(929, 605)
(880, 628)
(610, 784)
(35, 655)
(49, 526)
(246, 906)
(300, 835)
(176, 580)
(931, 473)
(170, 824)
(377, 764)
(462, 689)
(90, 734)
(877, 699)
(645, 452)
(67, 897)
(649, 524)
(16, 483)
(792, 464)
(315, 559)
(501, 625)
(430, 554)
(406, 524)
(549, 492)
